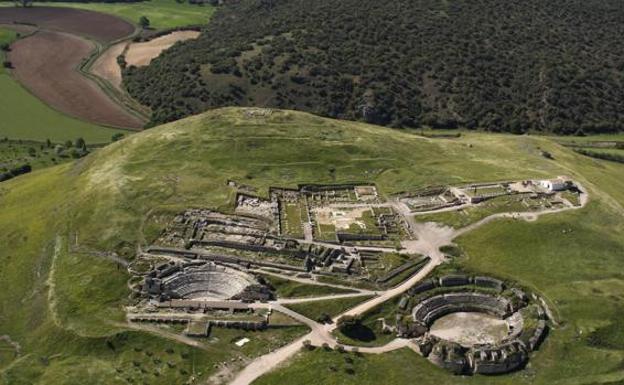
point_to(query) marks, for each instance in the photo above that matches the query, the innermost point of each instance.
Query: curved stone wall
(485, 296)
(208, 281)
(435, 307)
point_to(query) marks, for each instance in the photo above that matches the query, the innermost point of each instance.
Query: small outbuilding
(558, 184)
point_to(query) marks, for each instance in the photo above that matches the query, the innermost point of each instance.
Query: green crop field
(26, 117)
(63, 300)
(163, 14)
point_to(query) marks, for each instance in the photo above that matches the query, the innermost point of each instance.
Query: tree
(23, 3)
(80, 143)
(144, 22)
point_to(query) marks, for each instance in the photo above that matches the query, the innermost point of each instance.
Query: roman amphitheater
(209, 268)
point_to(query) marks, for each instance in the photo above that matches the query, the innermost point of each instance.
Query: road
(429, 237)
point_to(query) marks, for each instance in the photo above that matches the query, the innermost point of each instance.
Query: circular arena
(200, 281)
(474, 325)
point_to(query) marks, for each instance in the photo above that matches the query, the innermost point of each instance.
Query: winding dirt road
(429, 238)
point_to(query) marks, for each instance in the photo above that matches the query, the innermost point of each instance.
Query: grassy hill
(501, 66)
(62, 297)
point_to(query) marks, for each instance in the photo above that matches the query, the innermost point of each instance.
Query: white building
(558, 184)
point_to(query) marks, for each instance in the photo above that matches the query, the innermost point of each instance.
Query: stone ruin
(202, 280)
(437, 297)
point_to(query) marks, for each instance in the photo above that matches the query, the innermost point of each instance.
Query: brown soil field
(138, 54)
(106, 67)
(99, 26)
(20, 28)
(46, 63)
(141, 54)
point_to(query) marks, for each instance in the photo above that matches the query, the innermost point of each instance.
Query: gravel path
(429, 238)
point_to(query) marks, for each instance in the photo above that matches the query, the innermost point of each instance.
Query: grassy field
(313, 310)
(285, 288)
(333, 368)
(569, 258)
(6, 37)
(54, 220)
(369, 331)
(467, 216)
(163, 14)
(614, 151)
(37, 155)
(26, 117)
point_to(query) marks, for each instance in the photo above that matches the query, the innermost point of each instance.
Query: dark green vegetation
(609, 148)
(366, 330)
(63, 299)
(14, 154)
(613, 155)
(537, 65)
(285, 288)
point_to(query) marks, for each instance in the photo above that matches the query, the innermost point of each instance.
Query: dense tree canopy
(555, 65)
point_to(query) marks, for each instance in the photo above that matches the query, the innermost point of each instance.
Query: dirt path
(106, 66)
(529, 217)
(430, 237)
(288, 301)
(58, 246)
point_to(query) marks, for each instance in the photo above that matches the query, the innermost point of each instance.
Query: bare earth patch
(99, 26)
(138, 54)
(469, 329)
(141, 54)
(106, 65)
(341, 218)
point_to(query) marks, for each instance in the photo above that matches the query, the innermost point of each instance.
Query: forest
(532, 66)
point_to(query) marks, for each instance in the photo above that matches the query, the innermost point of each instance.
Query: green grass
(370, 333)
(61, 216)
(26, 117)
(333, 368)
(7, 36)
(467, 216)
(611, 151)
(163, 14)
(37, 155)
(293, 224)
(285, 288)
(313, 310)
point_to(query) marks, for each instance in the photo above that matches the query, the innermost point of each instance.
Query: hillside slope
(64, 291)
(501, 66)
